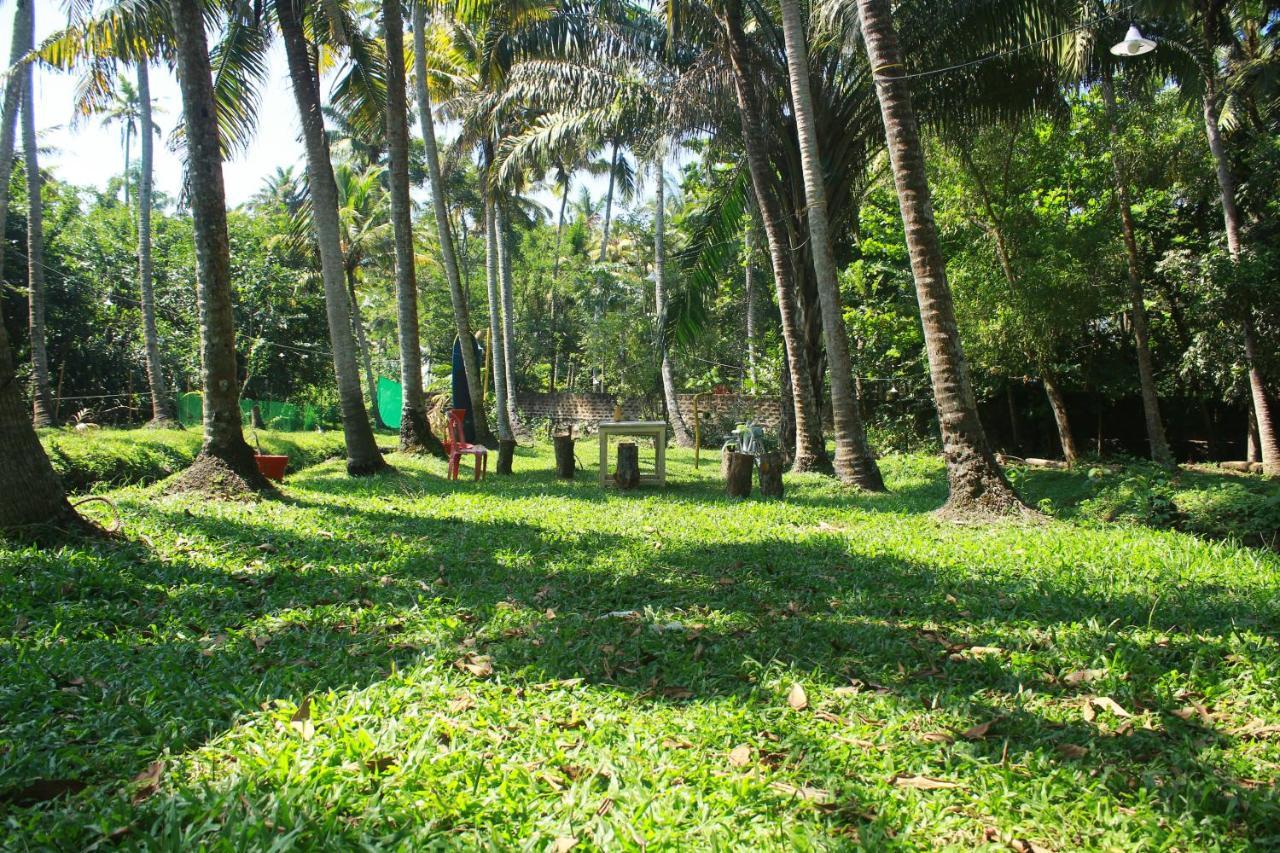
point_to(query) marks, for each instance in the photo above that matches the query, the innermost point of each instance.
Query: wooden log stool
(564, 456)
(770, 470)
(738, 482)
(627, 474)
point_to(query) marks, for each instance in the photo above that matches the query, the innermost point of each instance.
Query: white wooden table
(657, 430)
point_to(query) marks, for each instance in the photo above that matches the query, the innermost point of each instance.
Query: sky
(91, 153)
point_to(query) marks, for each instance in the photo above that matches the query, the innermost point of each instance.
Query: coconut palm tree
(440, 207)
(854, 462)
(125, 110)
(30, 492)
(683, 437)
(41, 396)
(224, 446)
(363, 456)
(975, 479)
(162, 411)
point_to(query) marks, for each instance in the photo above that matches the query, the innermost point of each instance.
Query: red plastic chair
(457, 447)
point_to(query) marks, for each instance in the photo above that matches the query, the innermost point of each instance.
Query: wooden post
(725, 454)
(771, 474)
(627, 475)
(564, 456)
(738, 483)
(506, 452)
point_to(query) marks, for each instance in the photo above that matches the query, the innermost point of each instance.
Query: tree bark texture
(162, 409)
(565, 459)
(497, 356)
(363, 456)
(223, 436)
(683, 437)
(1058, 403)
(975, 479)
(457, 295)
(854, 462)
(627, 474)
(810, 449)
(41, 396)
(508, 312)
(770, 469)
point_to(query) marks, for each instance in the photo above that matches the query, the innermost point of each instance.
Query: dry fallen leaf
(809, 794)
(260, 643)
(478, 665)
(1109, 704)
(979, 731)
(1087, 711)
(564, 844)
(1081, 676)
(797, 698)
(923, 783)
(1021, 845)
(301, 720)
(937, 737)
(740, 755)
(1073, 750)
(462, 703)
(1195, 709)
(148, 780)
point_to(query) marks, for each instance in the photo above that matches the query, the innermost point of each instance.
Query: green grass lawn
(520, 662)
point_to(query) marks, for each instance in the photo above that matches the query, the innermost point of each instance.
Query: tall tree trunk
(415, 431)
(608, 206)
(854, 462)
(975, 479)
(811, 451)
(1015, 423)
(30, 492)
(363, 456)
(362, 344)
(564, 202)
(749, 277)
(505, 290)
(683, 438)
(1058, 404)
(41, 396)
(457, 296)
(1159, 444)
(496, 354)
(162, 412)
(224, 444)
(1267, 423)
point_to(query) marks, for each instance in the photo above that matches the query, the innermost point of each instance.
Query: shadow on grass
(127, 655)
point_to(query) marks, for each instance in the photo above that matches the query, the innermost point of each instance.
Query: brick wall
(586, 410)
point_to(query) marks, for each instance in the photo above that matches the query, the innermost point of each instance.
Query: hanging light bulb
(1134, 44)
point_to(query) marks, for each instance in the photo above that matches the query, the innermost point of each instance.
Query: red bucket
(272, 467)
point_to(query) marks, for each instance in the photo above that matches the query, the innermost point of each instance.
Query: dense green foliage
(408, 660)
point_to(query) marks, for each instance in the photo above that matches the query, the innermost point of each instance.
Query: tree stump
(564, 456)
(725, 453)
(506, 453)
(771, 474)
(627, 474)
(738, 482)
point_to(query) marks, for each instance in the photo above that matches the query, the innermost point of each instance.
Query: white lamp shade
(1134, 44)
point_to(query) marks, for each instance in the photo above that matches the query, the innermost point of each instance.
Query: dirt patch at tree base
(215, 477)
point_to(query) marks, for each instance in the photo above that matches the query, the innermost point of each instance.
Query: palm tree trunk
(564, 202)
(1159, 444)
(415, 431)
(362, 344)
(224, 444)
(1058, 404)
(811, 451)
(30, 492)
(854, 462)
(608, 205)
(505, 290)
(363, 456)
(975, 479)
(128, 140)
(1267, 423)
(683, 438)
(748, 273)
(162, 413)
(461, 311)
(496, 354)
(41, 396)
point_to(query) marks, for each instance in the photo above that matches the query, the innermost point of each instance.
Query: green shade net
(390, 400)
(190, 409)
